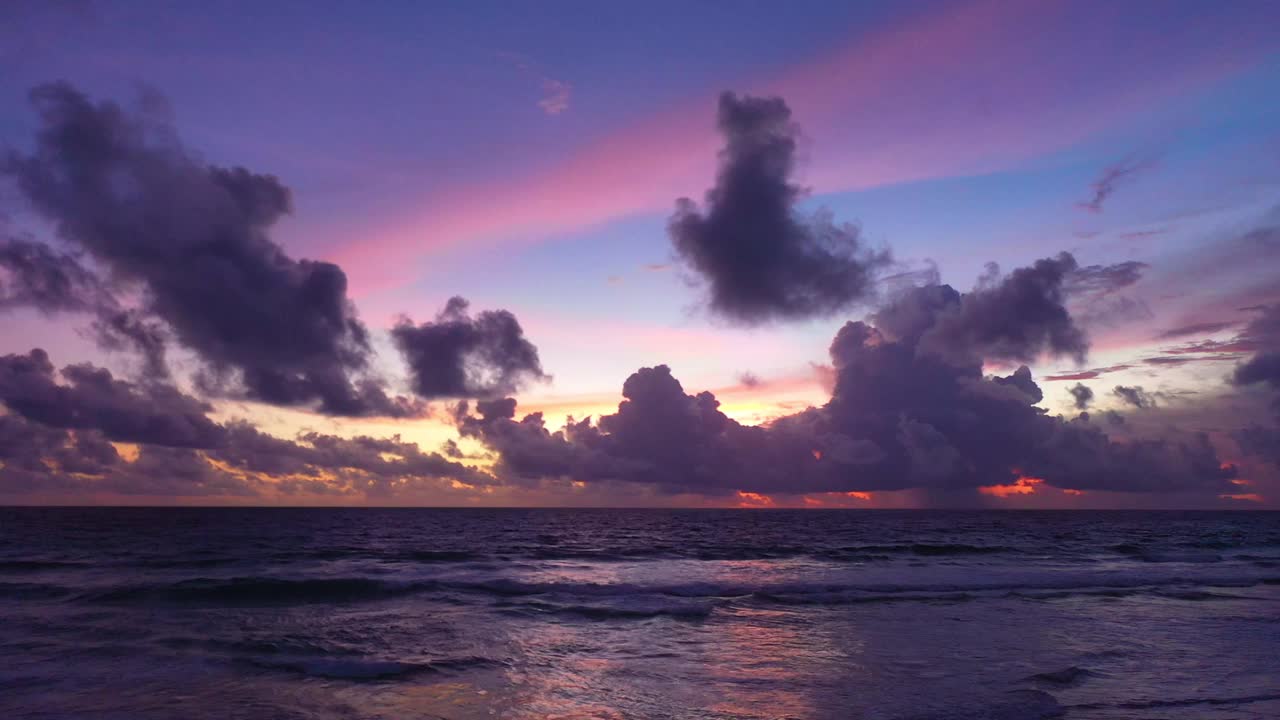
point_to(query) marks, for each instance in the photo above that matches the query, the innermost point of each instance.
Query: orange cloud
(750, 499)
(1021, 486)
(1245, 497)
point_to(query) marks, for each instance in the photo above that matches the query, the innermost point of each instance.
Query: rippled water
(319, 614)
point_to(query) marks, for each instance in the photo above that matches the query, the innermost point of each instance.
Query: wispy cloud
(1111, 178)
(555, 93)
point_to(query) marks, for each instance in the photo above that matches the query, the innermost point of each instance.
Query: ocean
(321, 614)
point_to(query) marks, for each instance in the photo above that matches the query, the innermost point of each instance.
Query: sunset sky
(529, 158)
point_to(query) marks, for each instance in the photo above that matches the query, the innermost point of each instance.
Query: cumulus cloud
(1017, 317)
(901, 415)
(1135, 396)
(459, 356)
(759, 256)
(1081, 396)
(193, 240)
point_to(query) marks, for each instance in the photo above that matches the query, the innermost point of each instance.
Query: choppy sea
(320, 614)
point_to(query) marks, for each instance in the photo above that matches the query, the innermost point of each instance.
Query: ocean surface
(324, 614)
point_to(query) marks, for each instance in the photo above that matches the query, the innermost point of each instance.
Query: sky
(727, 254)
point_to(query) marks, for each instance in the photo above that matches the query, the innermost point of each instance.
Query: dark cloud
(1263, 367)
(1081, 396)
(1111, 177)
(1017, 317)
(194, 240)
(460, 356)
(1203, 328)
(1141, 234)
(1135, 396)
(133, 331)
(1112, 311)
(1262, 333)
(901, 416)
(372, 467)
(93, 399)
(1239, 345)
(1166, 360)
(759, 256)
(1260, 441)
(1096, 279)
(750, 380)
(1090, 374)
(1095, 298)
(1021, 379)
(35, 275)
(57, 438)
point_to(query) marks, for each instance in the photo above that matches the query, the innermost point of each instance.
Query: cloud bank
(907, 411)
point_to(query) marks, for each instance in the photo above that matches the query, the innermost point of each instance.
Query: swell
(848, 553)
(28, 566)
(253, 591)
(266, 591)
(362, 669)
(1197, 553)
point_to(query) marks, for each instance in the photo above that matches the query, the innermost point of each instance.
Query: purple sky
(528, 158)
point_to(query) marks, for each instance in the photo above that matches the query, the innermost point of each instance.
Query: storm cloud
(459, 356)
(193, 240)
(759, 256)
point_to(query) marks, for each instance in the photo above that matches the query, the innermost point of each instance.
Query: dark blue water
(319, 614)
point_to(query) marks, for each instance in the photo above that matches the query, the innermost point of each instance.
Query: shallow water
(319, 614)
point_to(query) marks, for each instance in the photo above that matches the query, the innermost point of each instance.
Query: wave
(625, 609)
(23, 566)
(1015, 705)
(1063, 678)
(363, 669)
(871, 592)
(254, 591)
(267, 591)
(848, 553)
(1182, 702)
(32, 591)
